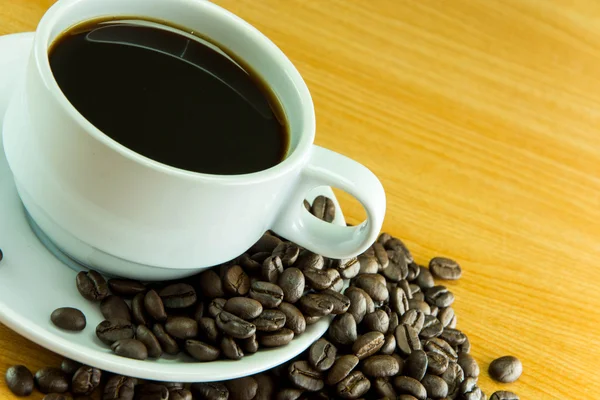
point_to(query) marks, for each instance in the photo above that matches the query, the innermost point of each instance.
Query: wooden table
(482, 119)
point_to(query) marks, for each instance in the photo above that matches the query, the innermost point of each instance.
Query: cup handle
(327, 168)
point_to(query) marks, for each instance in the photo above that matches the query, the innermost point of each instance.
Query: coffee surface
(172, 98)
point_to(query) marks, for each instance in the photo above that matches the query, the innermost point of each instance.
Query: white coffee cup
(117, 211)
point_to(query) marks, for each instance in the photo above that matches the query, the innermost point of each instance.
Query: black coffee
(169, 97)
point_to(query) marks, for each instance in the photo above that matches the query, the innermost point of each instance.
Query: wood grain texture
(481, 118)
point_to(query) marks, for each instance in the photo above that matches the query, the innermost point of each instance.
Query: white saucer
(33, 282)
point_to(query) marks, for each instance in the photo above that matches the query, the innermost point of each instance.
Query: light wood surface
(482, 119)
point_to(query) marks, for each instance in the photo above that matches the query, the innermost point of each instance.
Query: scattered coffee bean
(435, 386)
(504, 395)
(320, 279)
(341, 368)
(68, 318)
(323, 208)
(152, 391)
(453, 376)
(235, 326)
(368, 264)
(377, 366)
(145, 335)
(321, 355)
(167, 343)
(86, 380)
(92, 285)
(368, 344)
(138, 310)
(343, 330)
(446, 315)
(432, 327)
(407, 339)
(249, 345)
(202, 351)
(210, 284)
(440, 346)
(287, 252)
(181, 327)
(389, 345)
(276, 339)
(178, 295)
(445, 268)
(19, 380)
(315, 305)
(340, 302)
(270, 320)
(130, 348)
(506, 369)
(454, 337)
(210, 391)
(180, 394)
(413, 318)
(216, 306)
(51, 380)
(377, 321)
(353, 386)
(126, 287)
(272, 267)
(244, 307)
(268, 294)
(242, 388)
(415, 304)
(231, 349)
(266, 387)
(114, 307)
(235, 281)
(308, 259)
(469, 365)
(111, 330)
(411, 386)
(154, 306)
(292, 283)
(304, 376)
(437, 363)
(348, 268)
(294, 319)
(266, 244)
(69, 366)
(424, 279)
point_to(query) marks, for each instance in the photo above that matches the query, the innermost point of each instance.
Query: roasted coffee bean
(198, 311)
(154, 306)
(92, 285)
(289, 394)
(353, 386)
(445, 316)
(348, 268)
(231, 349)
(242, 388)
(454, 337)
(294, 319)
(244, 307)
(380, 255)
(207, 330)
(69, 319)
(396, 270)
(432, 327)
(424, 279)
(358, 303)
(320, 279)
(407, 339)
(111, 330)
(341, 368)
(261, 257)
(181, 327)
(434, 311)
(315, 305)
(145, 335)
(376, 321)
(470, 390)
(210, 391)
(210, 284)
(384, 388)
(288, 253)
(439, 296)
(86, 380)
(436, 387)
(453, 376)
(292, 282)
(323, 208)
(235, 326)
(504, 395)
(408, 385)
(440, 346)
(419, 296)
(304, 376)
(469, 365)
(270, 320)
(249, 345)
(57, 396)
(321, 355)
(341, 303)
(377, 366)
(69, 366)
(180, 394)
(414, 318)
(178, 295)
(130, 348)
(138, 310)
(275, 339)
(126, 287)
(266, 387)
(151, 391)
(272, 267)
(343, 330)
(51, 380)
(235, 281)
(268, 294)
(416, 364)
(437, 363)
(167, 343)
(368, 344)
(267, 243)
(338, 284)
(201, 351)
(445, 268)
(506, 369)
(420, 305)
(389, 345)
(405, 286)
(368, 264)
(19, 380)
(465, 347)
(216, 306)
(372, 284)
(119, 387)
(308, 259)
(398, 301)
(249, 265)
(397, 245)
(114, 307)
(413, 271)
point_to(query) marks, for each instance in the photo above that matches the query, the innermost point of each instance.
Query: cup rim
(307, 113)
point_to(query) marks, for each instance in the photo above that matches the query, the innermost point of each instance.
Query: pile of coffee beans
(394, 334)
